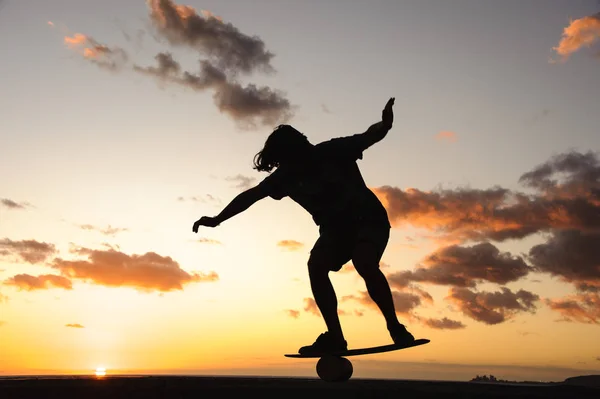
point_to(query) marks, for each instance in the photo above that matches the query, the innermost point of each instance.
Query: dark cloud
(30, 251)
(248, 105)
(223, 43)
(582, 308)
(10, 204)
(42, 282)
(572, 255)
(146, 272)
(227, 53)
(492, 307)
(580, 173)
(290, 245)
(443, 324)
(75, 325)
(464, 267)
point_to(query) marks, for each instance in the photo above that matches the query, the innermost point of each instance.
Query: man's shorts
(335, 246)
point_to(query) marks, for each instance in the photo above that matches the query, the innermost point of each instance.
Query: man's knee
(367, 270)
(317, 266)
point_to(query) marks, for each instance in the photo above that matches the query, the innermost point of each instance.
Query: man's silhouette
(353, 224)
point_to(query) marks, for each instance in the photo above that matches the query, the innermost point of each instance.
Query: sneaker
(401, 336)
(325, 343)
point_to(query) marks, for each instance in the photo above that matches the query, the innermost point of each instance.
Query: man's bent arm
(240, 203)
(375, 133)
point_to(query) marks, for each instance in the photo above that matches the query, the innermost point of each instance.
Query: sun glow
(100, 371)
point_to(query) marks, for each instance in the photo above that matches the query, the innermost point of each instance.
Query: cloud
(222, 43)
(242, 182)
(111, 58)
(325, 109)
(446, 135)
(582, 308)
(443, 324)
(226, 54)
(464, 267)
(580, 33)
(310, 306)
(42, 282)
(247, 105)
(3, 298)
(566, 196)
(206, 198)
(290, 245)
(404, 302)
(30, 251)
(492, 307)
(204, 240)
(76, 325)
(109, 231)
(146, 272)
(10, 204)
(294, 314)
(2, 323)
(572, 255)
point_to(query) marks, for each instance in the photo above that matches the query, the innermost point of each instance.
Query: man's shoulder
(341, 145)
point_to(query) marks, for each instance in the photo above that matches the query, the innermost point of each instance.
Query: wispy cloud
(76, 325)
(30, 251)
(205, 240)
(108, 231)
(10, 204)
(446, 135)
(111, 58)
(205, 199)
(28, 282)
(242, 182)
(581, 32)
(294, 314)
(290, 245)
(582, 307)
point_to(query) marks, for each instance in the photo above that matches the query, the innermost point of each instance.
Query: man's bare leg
(325, 298)
(366, 263)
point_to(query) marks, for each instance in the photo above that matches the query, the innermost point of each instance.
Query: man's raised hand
(387, 115)
(205, 221)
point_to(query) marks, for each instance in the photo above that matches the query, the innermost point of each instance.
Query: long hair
(277, 146)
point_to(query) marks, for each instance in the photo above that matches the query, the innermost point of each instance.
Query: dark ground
(172, 387)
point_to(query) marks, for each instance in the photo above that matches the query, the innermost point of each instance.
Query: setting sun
(100, 372)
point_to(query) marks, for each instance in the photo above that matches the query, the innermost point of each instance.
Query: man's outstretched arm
(377, 131)
(239, 204)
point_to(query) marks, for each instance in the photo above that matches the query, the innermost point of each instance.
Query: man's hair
(279, 141)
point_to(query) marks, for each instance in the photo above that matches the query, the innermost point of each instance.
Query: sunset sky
(123, 122)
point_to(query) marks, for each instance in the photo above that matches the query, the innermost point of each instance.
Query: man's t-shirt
(330, 186)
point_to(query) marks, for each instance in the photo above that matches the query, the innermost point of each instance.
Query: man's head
(284, 145)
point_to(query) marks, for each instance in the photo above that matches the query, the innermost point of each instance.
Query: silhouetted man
(353, 224)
